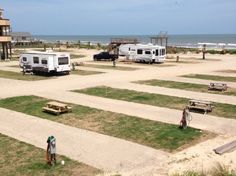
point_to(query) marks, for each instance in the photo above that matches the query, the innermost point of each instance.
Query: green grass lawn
(122, 68)
(211, 77)
(186, 86)
(20, 76)
(18, 158)
(150, 133)
(222, 110)
(84, 72)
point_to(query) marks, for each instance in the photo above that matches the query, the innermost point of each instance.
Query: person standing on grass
(185, 115)
(51, 150)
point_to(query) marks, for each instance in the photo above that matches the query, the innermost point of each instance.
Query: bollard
(177, 59)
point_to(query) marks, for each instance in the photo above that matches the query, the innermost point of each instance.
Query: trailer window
(44, 61)
(63, 60)
(36, 60)
(157, 52)
(24, 59)
(139, 51)
(147, 52)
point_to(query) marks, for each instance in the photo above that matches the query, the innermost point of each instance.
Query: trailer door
(50, 63)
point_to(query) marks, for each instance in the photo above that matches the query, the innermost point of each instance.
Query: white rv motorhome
(144, 53)
(46, 62)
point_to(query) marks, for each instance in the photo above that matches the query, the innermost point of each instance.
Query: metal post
(10, 50)
(204, 51)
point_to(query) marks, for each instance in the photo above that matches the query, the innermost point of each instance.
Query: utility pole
(204, 51)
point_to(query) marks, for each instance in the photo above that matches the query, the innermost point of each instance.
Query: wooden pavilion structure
(116, 42)
(161, 39)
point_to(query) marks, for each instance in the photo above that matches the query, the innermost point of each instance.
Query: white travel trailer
(144, 53)
(124, 50)
(45, 62)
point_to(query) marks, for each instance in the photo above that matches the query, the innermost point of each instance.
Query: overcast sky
(109, 17)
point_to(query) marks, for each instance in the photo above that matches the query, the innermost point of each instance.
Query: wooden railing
(4, 22)
(5, 38)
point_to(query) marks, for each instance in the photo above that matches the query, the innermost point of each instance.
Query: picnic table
(205, 106)
(217, 86)
(56, 108)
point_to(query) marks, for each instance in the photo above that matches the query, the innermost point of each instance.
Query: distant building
(21, 37)
(5, 37)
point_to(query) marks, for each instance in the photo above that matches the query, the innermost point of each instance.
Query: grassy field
(211, 77)
(227, 71)
(18, 158)
(76, 56)
(20, 76)
(222, 110)
(186, 86)
(111, 67)
(150, 133)
(84, 72)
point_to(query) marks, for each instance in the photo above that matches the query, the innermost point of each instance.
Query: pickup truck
(104, 56)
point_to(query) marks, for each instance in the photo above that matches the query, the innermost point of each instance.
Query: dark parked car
(104, 56)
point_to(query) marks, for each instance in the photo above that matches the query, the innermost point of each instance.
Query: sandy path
(202, 157)
(82, 145)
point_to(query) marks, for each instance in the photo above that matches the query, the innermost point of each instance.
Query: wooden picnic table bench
(217, 86)
(205, 106)
(56, 108)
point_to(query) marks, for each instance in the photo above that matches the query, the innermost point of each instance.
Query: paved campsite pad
(222, 110)
(19, 158)
(186, 86)
(150, 133)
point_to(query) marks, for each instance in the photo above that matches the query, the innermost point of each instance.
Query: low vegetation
(186, 86)
(211, 77)
(18, 158)
(84, 72)
(111, 67)
(176, 50)
(218, 170)
(227, 71)
(222, 110)
(76, 56)
(20, 76)
(150, 133)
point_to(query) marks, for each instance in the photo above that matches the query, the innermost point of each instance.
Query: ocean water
(173, 40)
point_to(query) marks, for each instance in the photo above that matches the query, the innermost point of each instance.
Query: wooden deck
(229, 147)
